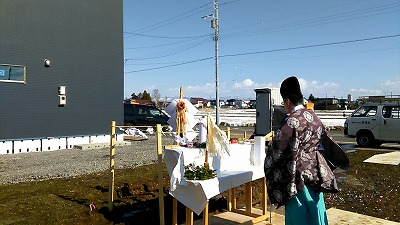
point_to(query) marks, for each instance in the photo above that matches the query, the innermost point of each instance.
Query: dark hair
(296, 99)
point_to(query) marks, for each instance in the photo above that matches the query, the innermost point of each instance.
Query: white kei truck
(374, 123)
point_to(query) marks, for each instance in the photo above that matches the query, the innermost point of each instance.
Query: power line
(312, 46)
(161, 23)
(315, 56)
(159, 45)
(168, 52)
(169, 37)
(273, 50)
(178, 64)
(233, 1)
(278, 28)
(318, 21)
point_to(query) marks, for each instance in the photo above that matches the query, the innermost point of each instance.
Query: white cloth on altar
(232, 171)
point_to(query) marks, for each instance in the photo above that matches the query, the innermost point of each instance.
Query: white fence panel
(79, 140)
(6, 147)
(100, 138)
(51, 144)
(27, 145)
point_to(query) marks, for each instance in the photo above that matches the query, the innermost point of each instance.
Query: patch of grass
(367, 188)
(66, 201)
(371, 189)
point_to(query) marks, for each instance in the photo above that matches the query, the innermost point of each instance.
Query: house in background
(61, 67)
(139, 102)
(328, 101)
(231, 103)
(200, 102)
(213, 103)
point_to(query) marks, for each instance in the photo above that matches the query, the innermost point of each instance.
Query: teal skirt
(306, 208)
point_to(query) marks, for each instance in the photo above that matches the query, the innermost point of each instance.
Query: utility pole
(215, 26)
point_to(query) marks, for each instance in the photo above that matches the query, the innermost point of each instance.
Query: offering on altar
(193, 172)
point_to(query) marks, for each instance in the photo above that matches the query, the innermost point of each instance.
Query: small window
(155, 112)
(391, 112)
(396, 113)
(12, 73)
(371, 112)
(365, 111)
(386, 112)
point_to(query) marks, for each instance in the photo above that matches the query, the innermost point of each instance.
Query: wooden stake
(160, 176)
(112, 168)
(181, 93)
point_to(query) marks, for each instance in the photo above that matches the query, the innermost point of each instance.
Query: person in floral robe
(296, 172)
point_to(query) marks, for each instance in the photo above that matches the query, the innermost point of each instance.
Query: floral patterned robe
(293, 158)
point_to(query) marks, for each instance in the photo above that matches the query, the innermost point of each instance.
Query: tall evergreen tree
(134, 96)
(146, 96)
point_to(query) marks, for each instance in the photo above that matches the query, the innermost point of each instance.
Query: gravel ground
(22, 167)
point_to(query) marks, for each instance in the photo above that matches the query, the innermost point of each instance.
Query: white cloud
(364, 92)
(201, 88)
(303, 84)
(386, 87)
(391, 86)
(244, 84)
(318, 89)
(245, 89)
(203, 91)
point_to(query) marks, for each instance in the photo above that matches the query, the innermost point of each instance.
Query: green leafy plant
(193, 172)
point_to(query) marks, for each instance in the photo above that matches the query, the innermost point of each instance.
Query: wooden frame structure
(231, 197)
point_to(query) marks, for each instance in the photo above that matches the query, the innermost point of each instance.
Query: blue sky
(335, 48)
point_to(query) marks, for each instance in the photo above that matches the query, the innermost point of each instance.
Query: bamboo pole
(160, 176)
(112, 168)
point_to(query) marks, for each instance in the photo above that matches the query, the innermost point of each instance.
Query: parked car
(374, 123)
(144, 115)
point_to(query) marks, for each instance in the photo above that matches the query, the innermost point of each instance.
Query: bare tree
(156, 96)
